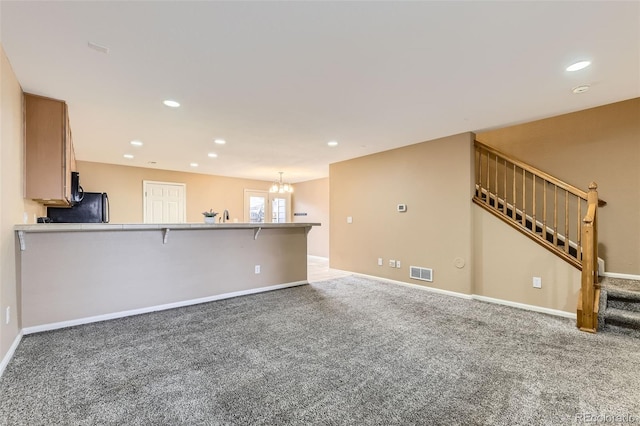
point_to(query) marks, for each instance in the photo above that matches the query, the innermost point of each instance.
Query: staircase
(558, 216)
(527, 222)
(620, 306)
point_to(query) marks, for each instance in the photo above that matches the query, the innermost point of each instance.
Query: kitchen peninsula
(72, 274)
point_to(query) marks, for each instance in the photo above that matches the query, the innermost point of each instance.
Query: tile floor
(318, 270)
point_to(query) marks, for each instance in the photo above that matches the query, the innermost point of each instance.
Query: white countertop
(87, 227)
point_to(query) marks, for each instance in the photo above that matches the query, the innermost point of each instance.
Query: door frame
(144, 197)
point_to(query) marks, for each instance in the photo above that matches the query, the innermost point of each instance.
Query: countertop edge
(89, 227)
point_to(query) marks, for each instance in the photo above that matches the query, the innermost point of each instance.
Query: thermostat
(402, 207)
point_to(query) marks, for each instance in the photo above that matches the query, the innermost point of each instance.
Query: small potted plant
(210, 216)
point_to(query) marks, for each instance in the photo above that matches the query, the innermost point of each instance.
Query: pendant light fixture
(281, 188)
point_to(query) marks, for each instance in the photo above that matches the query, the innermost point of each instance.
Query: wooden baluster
(497, 206)
(487, 200)
(566, 221)
(533, 203)
(544, 209)
(555, 215)
(515, 200)
(479, 172)
(504, 205)
(579, 242)
(524, 198)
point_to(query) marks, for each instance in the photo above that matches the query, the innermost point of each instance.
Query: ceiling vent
(97, 47)
(418, 273)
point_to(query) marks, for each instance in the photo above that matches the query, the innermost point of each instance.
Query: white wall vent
(418, 273)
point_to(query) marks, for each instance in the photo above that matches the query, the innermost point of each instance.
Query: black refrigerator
(94, 208)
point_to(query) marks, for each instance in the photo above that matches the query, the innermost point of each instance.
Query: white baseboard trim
(476, 297)
(417, 286)
(122, 314)
(623, 276)
(320, 258)
(10, 352)
(526, 307)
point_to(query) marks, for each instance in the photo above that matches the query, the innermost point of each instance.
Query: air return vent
(418, 273)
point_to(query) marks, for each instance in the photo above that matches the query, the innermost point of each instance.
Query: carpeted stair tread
(623, 293)
(624, 318)
(623, 304)
(635, 333)
(621, 284)
(620, 298)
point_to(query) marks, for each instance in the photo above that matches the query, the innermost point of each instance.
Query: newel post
(592, 199)
(587, 315)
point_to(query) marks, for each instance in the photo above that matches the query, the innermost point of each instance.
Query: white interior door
(164, 202)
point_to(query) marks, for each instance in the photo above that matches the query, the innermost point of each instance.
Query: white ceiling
(278, 80)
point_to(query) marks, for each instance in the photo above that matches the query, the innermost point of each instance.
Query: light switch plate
(537, 282)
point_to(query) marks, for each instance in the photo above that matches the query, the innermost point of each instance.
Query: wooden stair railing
(547, 210)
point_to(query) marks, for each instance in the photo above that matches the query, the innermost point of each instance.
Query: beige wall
(599, 144)
(204, 192)
(434, 179)
(11, 198)
(312, 198)
(506, 262)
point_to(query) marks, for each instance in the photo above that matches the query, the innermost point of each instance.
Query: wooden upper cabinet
(48, 150)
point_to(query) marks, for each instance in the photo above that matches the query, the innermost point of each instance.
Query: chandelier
(280, 187)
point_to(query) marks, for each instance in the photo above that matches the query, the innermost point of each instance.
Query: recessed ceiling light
(581, 89)
(136, 143)
(212, 155)
(194, 164)
(128, 156)
(578, 66)
(220, 141)
(332, 143)
(170, 103)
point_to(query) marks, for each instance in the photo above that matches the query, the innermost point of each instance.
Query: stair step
(621, 284)
(623, 299)
(623, 305)
(624, 295)
(622, 318)
(621, 330)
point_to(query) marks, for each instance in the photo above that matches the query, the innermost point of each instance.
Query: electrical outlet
(25, 218)
(379, 261)
(7, 318)
(392, 263)
(537, 282)
(349, 219)
(397, 264)
(257, 269)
